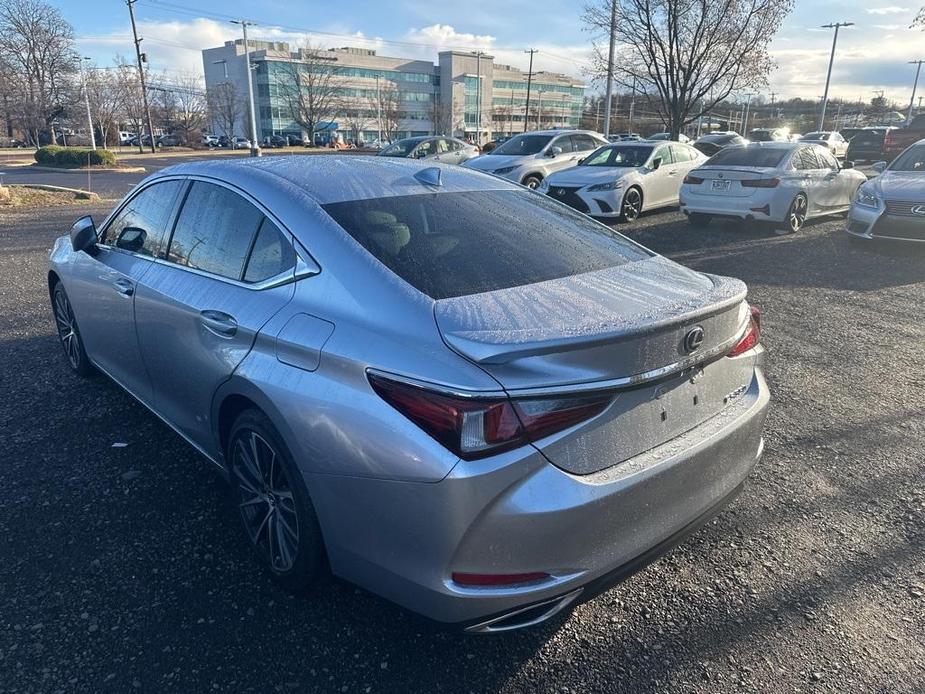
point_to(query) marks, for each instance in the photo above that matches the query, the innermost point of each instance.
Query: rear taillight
(476, 427)
(693, 180)
(752, 334)
(760, 183)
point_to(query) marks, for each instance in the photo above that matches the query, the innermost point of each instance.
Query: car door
(201, 305)
(684, 158)
(443, 151)
(103, 295)
(583, 146)
(813, 178)
(564, 160)
(660, 182)
(831, 184)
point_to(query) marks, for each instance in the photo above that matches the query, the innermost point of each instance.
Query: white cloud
(892, 9)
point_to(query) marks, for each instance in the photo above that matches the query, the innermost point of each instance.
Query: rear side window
(271, 255)
(140, 226)
(454, 244)
(214, 231)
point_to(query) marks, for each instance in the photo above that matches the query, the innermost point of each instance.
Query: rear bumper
(762, 205)
(404, 540)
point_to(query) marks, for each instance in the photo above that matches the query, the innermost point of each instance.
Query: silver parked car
(779, 183)
(892, 205)
(447, 150)
(530, 157)
(455, 392)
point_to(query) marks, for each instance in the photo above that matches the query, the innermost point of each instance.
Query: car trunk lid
(622, 328)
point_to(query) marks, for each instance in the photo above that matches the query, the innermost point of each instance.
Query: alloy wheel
(632, 205)
(797, 215)
(265, 499)
(67, 328)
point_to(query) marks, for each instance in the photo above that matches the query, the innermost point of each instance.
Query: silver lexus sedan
(451, 390)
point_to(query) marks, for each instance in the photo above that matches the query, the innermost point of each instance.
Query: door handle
(218, 323)
(123, 287)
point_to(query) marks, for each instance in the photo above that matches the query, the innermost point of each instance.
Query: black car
(711, 144)
(769, 135)
(867, 145)
(169, 141)
(276, 141)
(295, 141)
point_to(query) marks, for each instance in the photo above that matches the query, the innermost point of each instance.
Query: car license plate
(721, 185)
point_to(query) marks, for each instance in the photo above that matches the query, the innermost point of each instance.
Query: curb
(54, 169)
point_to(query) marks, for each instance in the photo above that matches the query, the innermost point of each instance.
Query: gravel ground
(122, 567)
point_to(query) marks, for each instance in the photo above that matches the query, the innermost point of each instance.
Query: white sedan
(781, 183)
(624, 179)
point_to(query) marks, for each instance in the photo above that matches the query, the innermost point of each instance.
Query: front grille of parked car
(569, 196)
(903, 208)
(900, 227)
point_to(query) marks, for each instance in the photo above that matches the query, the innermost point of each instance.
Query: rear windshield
(454, 244)
(748, 156)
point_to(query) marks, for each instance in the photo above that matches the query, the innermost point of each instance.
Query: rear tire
(698, 219)
(69, 333)
(796, 215)
(273, 503)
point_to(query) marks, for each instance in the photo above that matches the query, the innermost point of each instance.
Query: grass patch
(22, 197)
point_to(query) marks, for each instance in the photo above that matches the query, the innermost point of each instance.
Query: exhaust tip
(523, 617)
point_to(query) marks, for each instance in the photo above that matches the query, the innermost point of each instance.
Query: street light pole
(609, 90)
(748, 103)
(529, 82)
(478, 98)
(83, 82)
(918, 68)
(828, 77)
(255, 147)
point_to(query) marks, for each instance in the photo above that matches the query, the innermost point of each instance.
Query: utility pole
(478, 98)
(609, 91)
(918, 68)
(141, 58)
(255, 147)
(773, 94)
(828, 77)
(83, 82)
(510, 124)
(748, 103)
(529, 82)
(632, 103)
(539, 112)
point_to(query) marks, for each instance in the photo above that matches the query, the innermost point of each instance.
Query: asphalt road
(123, 569)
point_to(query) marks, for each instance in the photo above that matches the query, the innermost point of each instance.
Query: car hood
(904, 185)
(490, 162)
(589, 175)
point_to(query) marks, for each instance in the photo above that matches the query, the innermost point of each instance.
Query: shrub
(71, 157)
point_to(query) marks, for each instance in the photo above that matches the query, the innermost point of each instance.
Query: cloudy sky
(871, 56)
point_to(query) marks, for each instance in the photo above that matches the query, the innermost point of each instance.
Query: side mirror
(554, 152)
(580, 161)
(83, 235)
(131, 239)
(657, 162)
(847, 164)
(879, 166)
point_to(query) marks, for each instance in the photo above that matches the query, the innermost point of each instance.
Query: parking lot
(123, 567)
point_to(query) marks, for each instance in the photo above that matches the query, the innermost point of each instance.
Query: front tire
(69, 333)
(275, 509)
(533, 181)
(631, 207)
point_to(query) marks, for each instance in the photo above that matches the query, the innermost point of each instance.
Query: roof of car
(561, 132)
(328, 178)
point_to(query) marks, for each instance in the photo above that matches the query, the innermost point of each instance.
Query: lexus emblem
(919, 210)
(693, 339)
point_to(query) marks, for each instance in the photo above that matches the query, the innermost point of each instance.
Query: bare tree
(224, 107)
(357, 120)
(107, 100)
(441, 115)
(37, 46)
(128, 88)
(190, 102)
(392, 113)
(310, 90)
(688, 55)
(919, 20)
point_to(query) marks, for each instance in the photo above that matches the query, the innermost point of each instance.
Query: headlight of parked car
(613, 185)
(504, 170)
(865, 198)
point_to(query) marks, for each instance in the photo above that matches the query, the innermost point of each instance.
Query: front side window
(583, 143)
(454, 244)
(141, 225)
(913, 159)
(664, 154)
(214, 231)
(402, 148)
(826, 160)
(808, 159)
